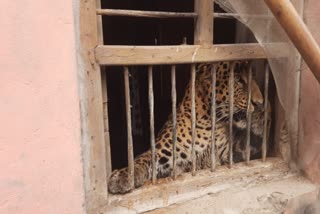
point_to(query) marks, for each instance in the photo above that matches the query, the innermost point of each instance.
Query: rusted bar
(298, 32)
(231, 110)
(193, 117)
(213, 116)
(174, 117)
(265, 122)
(152, 136)
(145, 14)
(106, 122)
(129, 128)
(248, 116)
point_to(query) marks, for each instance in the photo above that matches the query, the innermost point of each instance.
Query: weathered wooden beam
(164, 15)
(92, 127)
(265, 108)
(193, 118)
(203, 31)
(248, 115)
(129, 128)
(298, 32)
(187, 187)
(106, 122)
(145, 14)
(174, 119)
(213, 117)
(151, 112)
(181, 54)
(231, 111)
(236, 15)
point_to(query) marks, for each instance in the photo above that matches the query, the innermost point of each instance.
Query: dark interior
(148, 31)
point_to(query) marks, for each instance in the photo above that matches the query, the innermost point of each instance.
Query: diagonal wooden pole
(289, 19)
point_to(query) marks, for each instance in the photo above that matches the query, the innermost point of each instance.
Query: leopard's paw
(119, 182)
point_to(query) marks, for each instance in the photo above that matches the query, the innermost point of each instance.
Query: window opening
(148, 60)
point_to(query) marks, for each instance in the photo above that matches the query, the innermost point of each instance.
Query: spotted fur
(118, 181)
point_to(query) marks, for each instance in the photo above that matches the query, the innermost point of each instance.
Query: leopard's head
(222, 90)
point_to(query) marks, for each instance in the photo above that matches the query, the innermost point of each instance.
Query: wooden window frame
(95, 133)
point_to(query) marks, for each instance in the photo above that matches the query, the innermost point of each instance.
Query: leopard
(118, 182)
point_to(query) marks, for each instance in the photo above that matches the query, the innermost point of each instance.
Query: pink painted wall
(310, 102)
(40, 156)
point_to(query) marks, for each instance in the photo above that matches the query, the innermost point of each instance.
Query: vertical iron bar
(152, 137)
(231, 110)
(174, 117)
(248, 113)
(213, 116)
(129, 128)
(193, 117)
(265, 122)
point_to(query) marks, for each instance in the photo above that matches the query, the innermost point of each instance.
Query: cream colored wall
(40, 156)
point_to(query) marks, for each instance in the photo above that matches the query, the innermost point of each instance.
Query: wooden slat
(92, 128)
(265, 123)
(248, 116)
(104, 98)
(129, 128)
(181, 54)
(193, 117)
(164, 14)
(152, 136)
(244, 16)
(99, 24)
(174, 118)
(231, 111)
(203, 31)
(213, 117)
(145, 14)
(106, 123)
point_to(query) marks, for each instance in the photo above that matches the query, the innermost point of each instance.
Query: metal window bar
(231, 108)
(193, 118)
(174, 118)
(213, 116)
(265, 125)
(129, 129)
(248, 116)
(152, 136)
